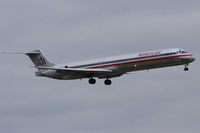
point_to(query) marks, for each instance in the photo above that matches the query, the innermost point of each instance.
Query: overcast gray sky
(163, 100)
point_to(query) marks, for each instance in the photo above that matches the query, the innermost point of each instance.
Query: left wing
(81, 72)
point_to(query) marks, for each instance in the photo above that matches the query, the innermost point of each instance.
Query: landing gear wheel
(186, 68)
(92, 81)
(108, 82)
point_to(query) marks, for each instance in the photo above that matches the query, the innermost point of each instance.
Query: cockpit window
(181, 51)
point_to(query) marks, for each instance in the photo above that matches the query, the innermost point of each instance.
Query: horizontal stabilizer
(11, 53)
(29, 53)
(36, 56)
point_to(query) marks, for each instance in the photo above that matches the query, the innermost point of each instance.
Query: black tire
(108, 82)
(92, 81)
(186, 69)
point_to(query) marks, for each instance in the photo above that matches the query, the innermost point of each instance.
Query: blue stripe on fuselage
(124, 60)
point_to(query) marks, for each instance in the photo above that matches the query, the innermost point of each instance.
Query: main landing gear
(106, 82)
(186, 67)
(92, 81)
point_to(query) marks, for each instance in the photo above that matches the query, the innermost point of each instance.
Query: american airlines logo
(149, 53)
(41, 61)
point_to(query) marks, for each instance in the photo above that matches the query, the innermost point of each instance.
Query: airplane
(107, 68)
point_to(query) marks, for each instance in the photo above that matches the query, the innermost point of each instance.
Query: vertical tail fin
(39, 59)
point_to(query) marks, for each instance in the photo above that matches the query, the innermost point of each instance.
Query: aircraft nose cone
(192, 59)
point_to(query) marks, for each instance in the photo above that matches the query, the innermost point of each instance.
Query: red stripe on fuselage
(126, 63)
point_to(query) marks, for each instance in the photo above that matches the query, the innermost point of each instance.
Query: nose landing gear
(186, 67)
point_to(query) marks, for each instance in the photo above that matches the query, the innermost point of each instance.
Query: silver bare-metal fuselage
(124, 65)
